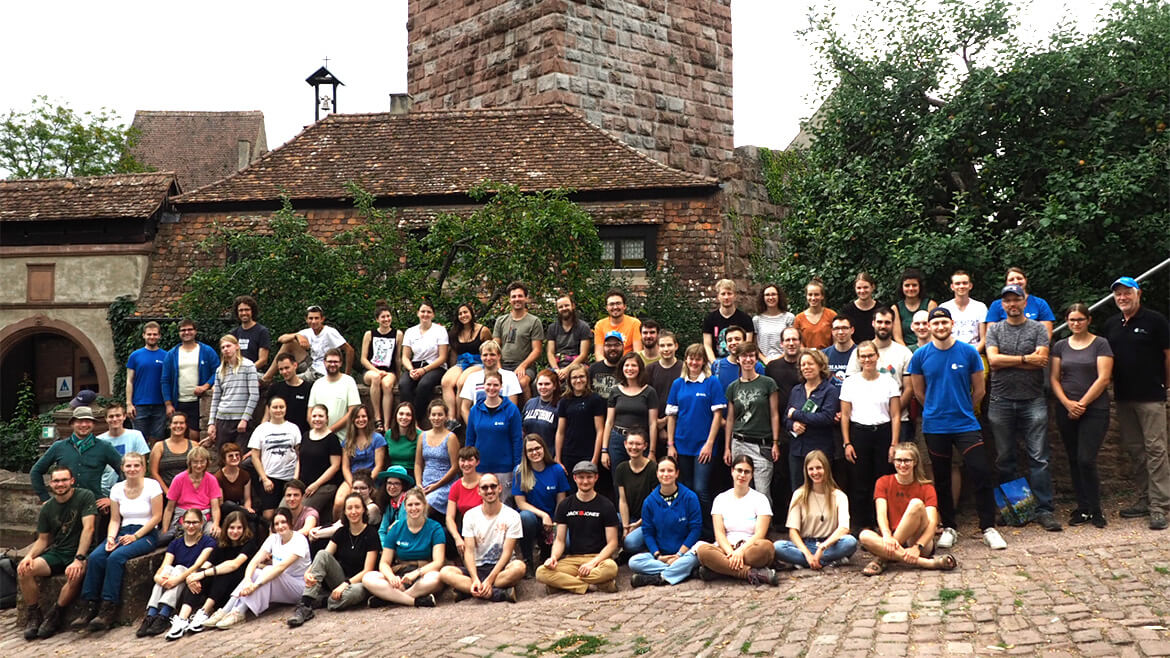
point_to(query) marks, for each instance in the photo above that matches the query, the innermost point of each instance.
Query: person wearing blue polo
(1035, 308)
(947, 376)
(144, 397)
(694, 416)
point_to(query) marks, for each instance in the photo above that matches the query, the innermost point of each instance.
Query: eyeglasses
(741, 471)
(903, 460)
(187, 330)
(536, 449)
(488, 487)
(187, 522)
(867, 356)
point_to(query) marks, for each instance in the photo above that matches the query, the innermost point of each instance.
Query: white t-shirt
(188, 374)
(893, 360)
(967, 321)
(321, 343)
(473, 385)
(127, 441)
(296, 549)
(740, 514)
(424, 347)
(337, 397)
(136, 511)
(490, 533)
(277, 445)
(870, 399)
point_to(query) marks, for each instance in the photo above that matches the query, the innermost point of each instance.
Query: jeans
(789, 552)
(104, 571)
(150, 419)
(617, 451)
(697, 476)
(761, 463)
(1029, 420)
(533, 531)
(633, 542)
(977, 474)
(680, 570)
(1082, 439)
(1143, 435)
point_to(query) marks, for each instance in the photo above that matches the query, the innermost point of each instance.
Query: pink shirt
(186, 496)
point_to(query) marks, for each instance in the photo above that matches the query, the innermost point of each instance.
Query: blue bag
(1016, 502)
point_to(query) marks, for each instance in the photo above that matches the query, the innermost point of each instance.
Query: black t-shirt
(315, 457)
(297, 400)
(633, 410)
(580, 432)
(251, 340)
(716, 325)
(587, 522)
(637, 485)
(224, 553)
(661, 379)
(862, 320)
(785, 374)
(1139, 359)
(602, 379)
(352, 550)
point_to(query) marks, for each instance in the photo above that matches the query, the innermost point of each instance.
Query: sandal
(875, 567)
(945, 562)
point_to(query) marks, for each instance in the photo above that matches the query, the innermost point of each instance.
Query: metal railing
(1101, 302)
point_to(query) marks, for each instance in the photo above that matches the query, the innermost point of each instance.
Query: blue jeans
(1029, 420)
(150, 419)
(697, 476)
(633, 542)
(617, 452)
(789, 552)
(645, 563)
(104, 571)
(533, 531)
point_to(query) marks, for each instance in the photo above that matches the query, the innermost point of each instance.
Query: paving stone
(1155, 647)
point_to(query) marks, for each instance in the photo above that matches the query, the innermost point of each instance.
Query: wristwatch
(921, 548)
(80, 557)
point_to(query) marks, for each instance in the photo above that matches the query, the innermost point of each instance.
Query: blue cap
(1128, 282)
(939, 312)
(1013, 289)
(614, 334)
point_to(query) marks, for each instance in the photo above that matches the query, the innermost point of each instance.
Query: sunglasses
(488, 487)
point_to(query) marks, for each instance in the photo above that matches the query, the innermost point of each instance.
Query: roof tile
(200, 147)
(119, 196)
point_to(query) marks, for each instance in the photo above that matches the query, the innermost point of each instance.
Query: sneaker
(52, 622)
(763, 576)
(215, 618)
(609, 586)
(1078, 518)
(375, 602)
(452, 425)
(1047, 520)
(643, 579)
(707, 574)
(1135, 512)
(1157, 521)
(948, 538)
(144, 627)
(500, 595)
(427, 601)
(1098, 520)
(178, 628)
(303, 614)
(159, 626)
(233, 618)
(994, 540)
(461, 596)
(32, 622)
(197, 621)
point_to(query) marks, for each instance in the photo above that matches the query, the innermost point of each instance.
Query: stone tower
(654, 73)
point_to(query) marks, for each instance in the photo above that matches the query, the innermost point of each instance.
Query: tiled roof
(200, 147)
(445, 153)
(120, 196)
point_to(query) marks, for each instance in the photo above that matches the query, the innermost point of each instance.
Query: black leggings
(977, 472)
(419, 393)
(216, 588)
(873, 452)
(1082, 439)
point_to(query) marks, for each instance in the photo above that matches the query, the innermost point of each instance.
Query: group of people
(321, 500)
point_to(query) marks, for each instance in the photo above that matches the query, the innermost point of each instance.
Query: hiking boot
(82, 622)
(106, 617)
(500, 595)
(158, 626)
(1047, 520)
(1157, 521)
(303, 614)
(51, 624)
(643, 579)
(763, 576)
(609, 586)
(1135, 512)
(32, 622)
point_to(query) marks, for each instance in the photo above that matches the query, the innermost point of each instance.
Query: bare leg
(376, 584)
(343, 490)
(389, 381)
(913, 523)
(450, 384)
(372, 380)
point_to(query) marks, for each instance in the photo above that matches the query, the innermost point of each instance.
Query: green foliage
(20, 436)
(570, 646)
(671, 305)
(946, 595)
(52, 141)
(946, 144)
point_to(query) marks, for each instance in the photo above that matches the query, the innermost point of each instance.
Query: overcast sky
(129, 55)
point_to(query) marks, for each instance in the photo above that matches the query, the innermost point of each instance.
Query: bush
(20, 437)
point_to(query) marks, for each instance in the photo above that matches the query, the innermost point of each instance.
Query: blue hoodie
(208, 362)
(499, 435)
(666, 526)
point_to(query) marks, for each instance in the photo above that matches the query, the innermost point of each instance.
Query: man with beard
(337, 391)
(254, 337)
(567, 339)
(519, 334)
(601, 373)
(188, 373)
(144, 399)
(893, 359)
(649, 352)
(626, 326)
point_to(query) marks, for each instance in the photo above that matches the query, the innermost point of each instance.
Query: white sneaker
(178, 628)
(197, 621)
(215, 618)
(994, 540)
(233, 618)
(948, 538)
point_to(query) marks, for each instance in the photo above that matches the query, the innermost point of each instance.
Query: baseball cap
(615, 334)
(83, 399)
(1128, 282)
(1012, 289)
(585, 466)
(940, 312)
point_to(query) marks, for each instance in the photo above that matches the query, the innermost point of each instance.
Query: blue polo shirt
(694, 403)
(548, 483)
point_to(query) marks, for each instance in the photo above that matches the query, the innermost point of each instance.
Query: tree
(53, 141)
(946, 143)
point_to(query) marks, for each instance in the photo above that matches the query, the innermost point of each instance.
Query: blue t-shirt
(147, 366)
(549, 482)
(694, 404)
(185, 555)
(838, 362)
(1034, 309)
(949, 408)
(727, 372)
(364, 458)
(411, 546)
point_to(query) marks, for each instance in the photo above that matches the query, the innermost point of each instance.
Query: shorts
(269, 499)
(57, 561)
(191, 411)
(530, 370)
(482, 571)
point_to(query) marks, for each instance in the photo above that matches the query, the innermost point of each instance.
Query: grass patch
(947, 595)
(641, 645)
(570, 646)
(746, 647)
(1024, 574)
(1019, 603)
(1163, 570)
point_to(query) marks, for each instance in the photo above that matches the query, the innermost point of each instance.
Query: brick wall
(655, 73)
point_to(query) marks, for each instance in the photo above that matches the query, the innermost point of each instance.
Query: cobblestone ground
(1080, 592)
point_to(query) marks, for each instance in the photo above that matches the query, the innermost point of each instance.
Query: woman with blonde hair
(538, 486)
(234, 395)
(412, 554)
(818, 519)
(193, 489)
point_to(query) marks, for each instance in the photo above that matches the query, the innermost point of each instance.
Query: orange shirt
(898, 496)
(819, 335)
(630, 329)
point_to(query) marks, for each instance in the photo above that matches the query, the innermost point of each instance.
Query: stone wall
(655, 73)
(746, 204)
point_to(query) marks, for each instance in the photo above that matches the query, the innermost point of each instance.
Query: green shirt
(63, 521)
(753, 411)
(87, 466)
(400, 452)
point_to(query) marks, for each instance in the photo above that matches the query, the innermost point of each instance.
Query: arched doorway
(46, 350)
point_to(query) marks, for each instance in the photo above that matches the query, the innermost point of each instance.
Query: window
(40, 282)
(628, 247)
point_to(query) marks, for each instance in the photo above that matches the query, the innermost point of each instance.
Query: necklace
(821, 505)
(353, 538)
